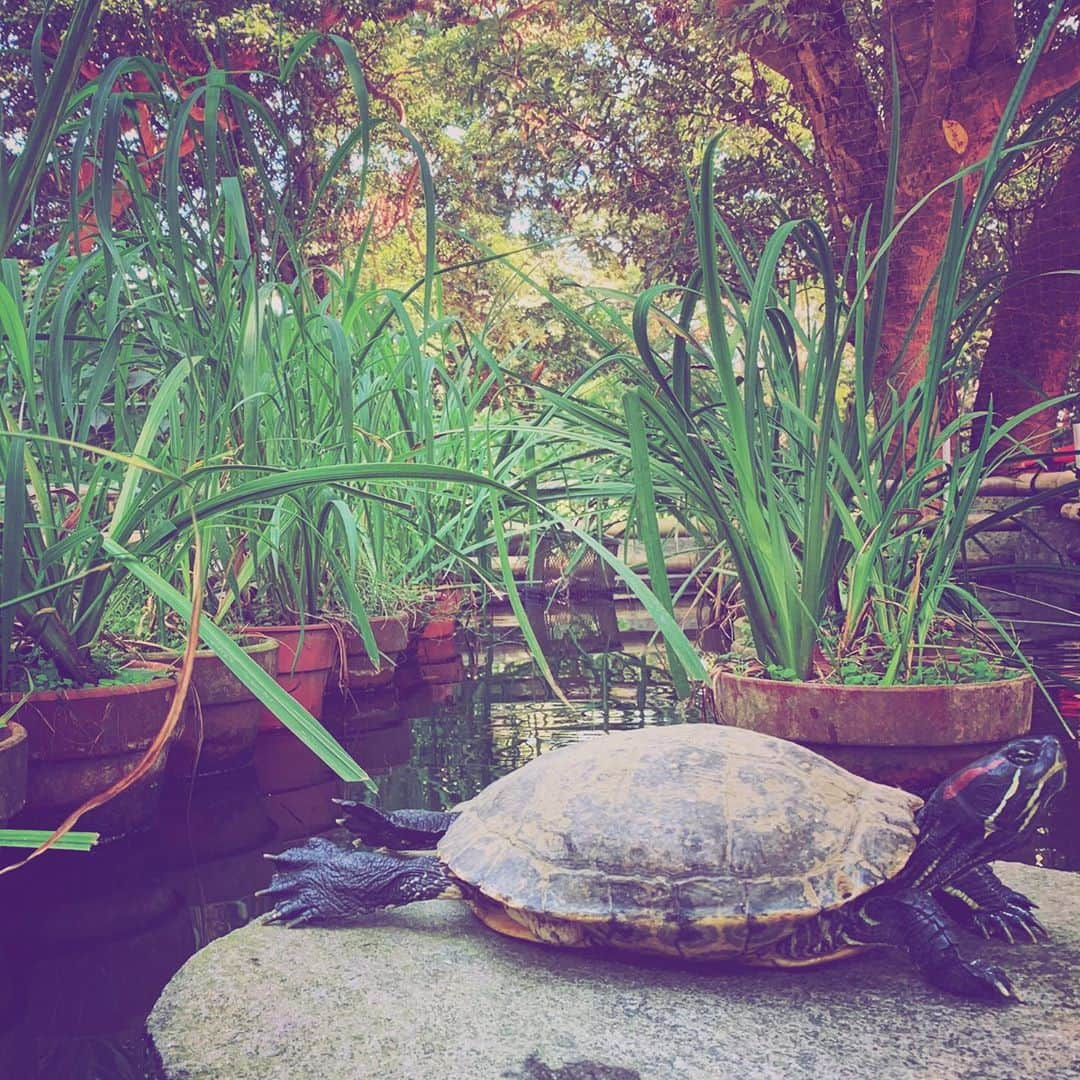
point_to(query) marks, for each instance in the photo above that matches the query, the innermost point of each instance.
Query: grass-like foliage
(751, 413)
(173, 371)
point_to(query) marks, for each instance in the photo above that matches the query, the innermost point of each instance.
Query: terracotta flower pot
(306, 656)
(14, 760)
(438, 652)
(217, 733)
(910, 736)
(436, 643)
(392, 638)
(81, 741)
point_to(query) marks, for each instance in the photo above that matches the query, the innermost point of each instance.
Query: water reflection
(89, 942)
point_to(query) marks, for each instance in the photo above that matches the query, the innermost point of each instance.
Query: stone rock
(426, 991)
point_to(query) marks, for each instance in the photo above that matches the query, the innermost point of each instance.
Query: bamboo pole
(1026, 483)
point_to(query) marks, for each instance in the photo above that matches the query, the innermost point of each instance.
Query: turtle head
(984, 810)
(1003, 792)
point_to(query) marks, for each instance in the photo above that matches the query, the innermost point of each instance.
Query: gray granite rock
(427, 992)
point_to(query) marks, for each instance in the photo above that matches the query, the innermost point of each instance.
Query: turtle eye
(1021, 755)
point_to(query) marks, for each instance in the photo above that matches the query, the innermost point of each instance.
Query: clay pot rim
(9, 697)
(263, 630)
(830, 714)
(249, 642)
(848, 688)
(378, 622)
(391, 633)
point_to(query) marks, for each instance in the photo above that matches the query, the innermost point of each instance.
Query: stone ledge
(427, 992)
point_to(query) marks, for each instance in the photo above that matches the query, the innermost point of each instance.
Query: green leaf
(34, 838)
(293, 715)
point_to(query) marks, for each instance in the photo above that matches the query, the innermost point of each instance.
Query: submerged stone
(427, 991)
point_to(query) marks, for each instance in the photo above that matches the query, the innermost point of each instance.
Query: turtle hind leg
(322, 883)
(981, 901)
(401, 830)
(913, 920)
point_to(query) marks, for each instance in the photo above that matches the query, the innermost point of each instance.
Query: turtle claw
(1003, 985)
(983, 903)
(975, 978)
(999, 985)
(287, 892)
(290, 912)
(1035, 929)
(1012, 924)
(1018, 899)
(315, 851)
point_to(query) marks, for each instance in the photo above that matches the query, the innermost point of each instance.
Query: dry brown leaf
(955, 135)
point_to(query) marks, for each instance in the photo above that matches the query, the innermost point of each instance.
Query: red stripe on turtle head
(961, 780)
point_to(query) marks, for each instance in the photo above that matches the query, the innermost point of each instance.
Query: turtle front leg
(981, 901)
(402, 830)
(914, 921)
(323, 883)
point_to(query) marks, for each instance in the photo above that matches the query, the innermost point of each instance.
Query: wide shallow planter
(910, 736)
(82, 741)
(306, 656)
(217, 733)
(14, 760)
(392, 638)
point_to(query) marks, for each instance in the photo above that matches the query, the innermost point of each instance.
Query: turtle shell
(694, 840)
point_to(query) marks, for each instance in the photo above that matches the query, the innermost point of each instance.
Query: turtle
(705, 843)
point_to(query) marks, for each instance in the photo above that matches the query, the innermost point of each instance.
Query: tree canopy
(582, 119)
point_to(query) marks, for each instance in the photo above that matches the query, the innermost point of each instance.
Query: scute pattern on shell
(701, 835)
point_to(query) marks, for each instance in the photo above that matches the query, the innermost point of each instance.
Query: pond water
(87, 941)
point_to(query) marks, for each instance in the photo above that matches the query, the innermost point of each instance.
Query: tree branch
(819, 59)
(1055, 71)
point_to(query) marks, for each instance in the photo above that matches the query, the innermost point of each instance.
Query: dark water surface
(87, 941)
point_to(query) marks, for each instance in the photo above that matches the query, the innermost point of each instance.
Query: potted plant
(846, 523)
(360, 673)
(81, 448)
(751, 413)
(292, 558)
(59, 499)
(89, 720)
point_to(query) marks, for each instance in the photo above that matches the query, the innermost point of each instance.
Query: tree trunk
(957, 63)
(1036, 337)
(913, 259)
